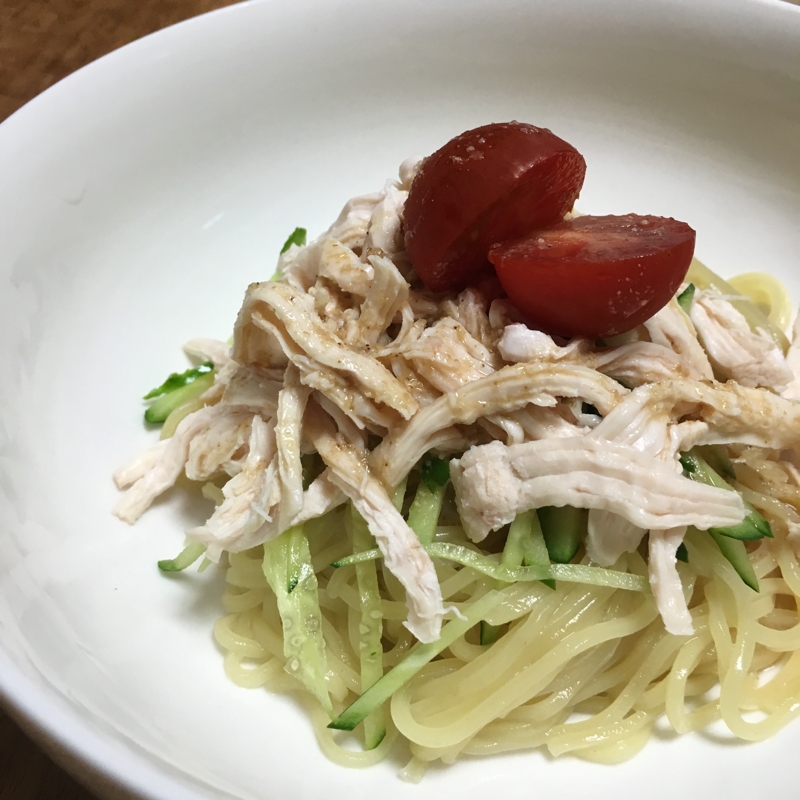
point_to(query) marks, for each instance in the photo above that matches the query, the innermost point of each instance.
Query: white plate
(141, 195)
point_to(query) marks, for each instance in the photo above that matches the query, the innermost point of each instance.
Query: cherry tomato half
(490, 184)
(595, 276)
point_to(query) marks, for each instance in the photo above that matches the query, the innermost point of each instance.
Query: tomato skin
(595, 276)
(487, 185)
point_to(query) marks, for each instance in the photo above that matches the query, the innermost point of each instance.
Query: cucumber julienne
(176, 390)
(730, 540)
(574, 573)
(396, 677)
(752, 527)
(370, 628)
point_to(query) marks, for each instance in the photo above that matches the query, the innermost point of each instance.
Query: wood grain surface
(42, 41)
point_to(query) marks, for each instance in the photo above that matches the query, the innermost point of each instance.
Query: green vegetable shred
(297, 236)
(178, 379)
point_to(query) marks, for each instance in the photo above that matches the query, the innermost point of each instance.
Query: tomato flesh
(595, 276)
(487, 185)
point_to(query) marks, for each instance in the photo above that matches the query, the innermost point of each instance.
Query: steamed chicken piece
(387, 295)
(354, 380)
(248, 514)
(163, 471)
(539, 386)
(148, 459)
(672, 328)
(494, 483)
(288, 436)
(750, 359)
(384, 235)
(470, 309)
(609, 535)
(255, 388)
(447, 357)
(792, 391)
(403, 554)
(213, 350)
(665, 418)
(632, 364)
(300, 266)
(220, 449)
(666, 583)
(342, 266)
(651, 420)
(322, 496)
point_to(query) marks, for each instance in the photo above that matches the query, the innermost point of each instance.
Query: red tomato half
(490, 184)
(595, 276)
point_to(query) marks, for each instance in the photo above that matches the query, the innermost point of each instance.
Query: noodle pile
(582, 670)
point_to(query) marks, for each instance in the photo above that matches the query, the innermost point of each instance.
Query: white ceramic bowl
(141, 195)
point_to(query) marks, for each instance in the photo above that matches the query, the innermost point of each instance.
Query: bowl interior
(139, 198)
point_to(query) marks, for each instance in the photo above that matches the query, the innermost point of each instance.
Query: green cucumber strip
(489, 634)
(735, 551)
(184, 559)
(167, 403)
(518, 533)
(288, 570)
(513, 553)
(178, 379)
(536, 554)
(423, 516)
(752, 527)
(399, 494)
(297, 236)
(435, 472)
(715, 456)
(685, 298)
(573, 573)
(400, 674)
(370, 628)
(357, 558)
(564, 529)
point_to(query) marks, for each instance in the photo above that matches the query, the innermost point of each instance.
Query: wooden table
(42, 41)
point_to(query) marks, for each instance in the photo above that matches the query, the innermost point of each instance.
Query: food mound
(491, 475)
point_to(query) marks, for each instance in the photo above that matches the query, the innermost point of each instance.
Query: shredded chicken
(667, 417)
(322, 496)
(792, 391)
(162, 471)
(494, 483)
(403, 553)
(348, 355)
(509, 389)
(248, 514)
(672, 328)
(666, 583)
(609, 535)
(751, 359)
(633, 364)
(288, 430)
(218, 353)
